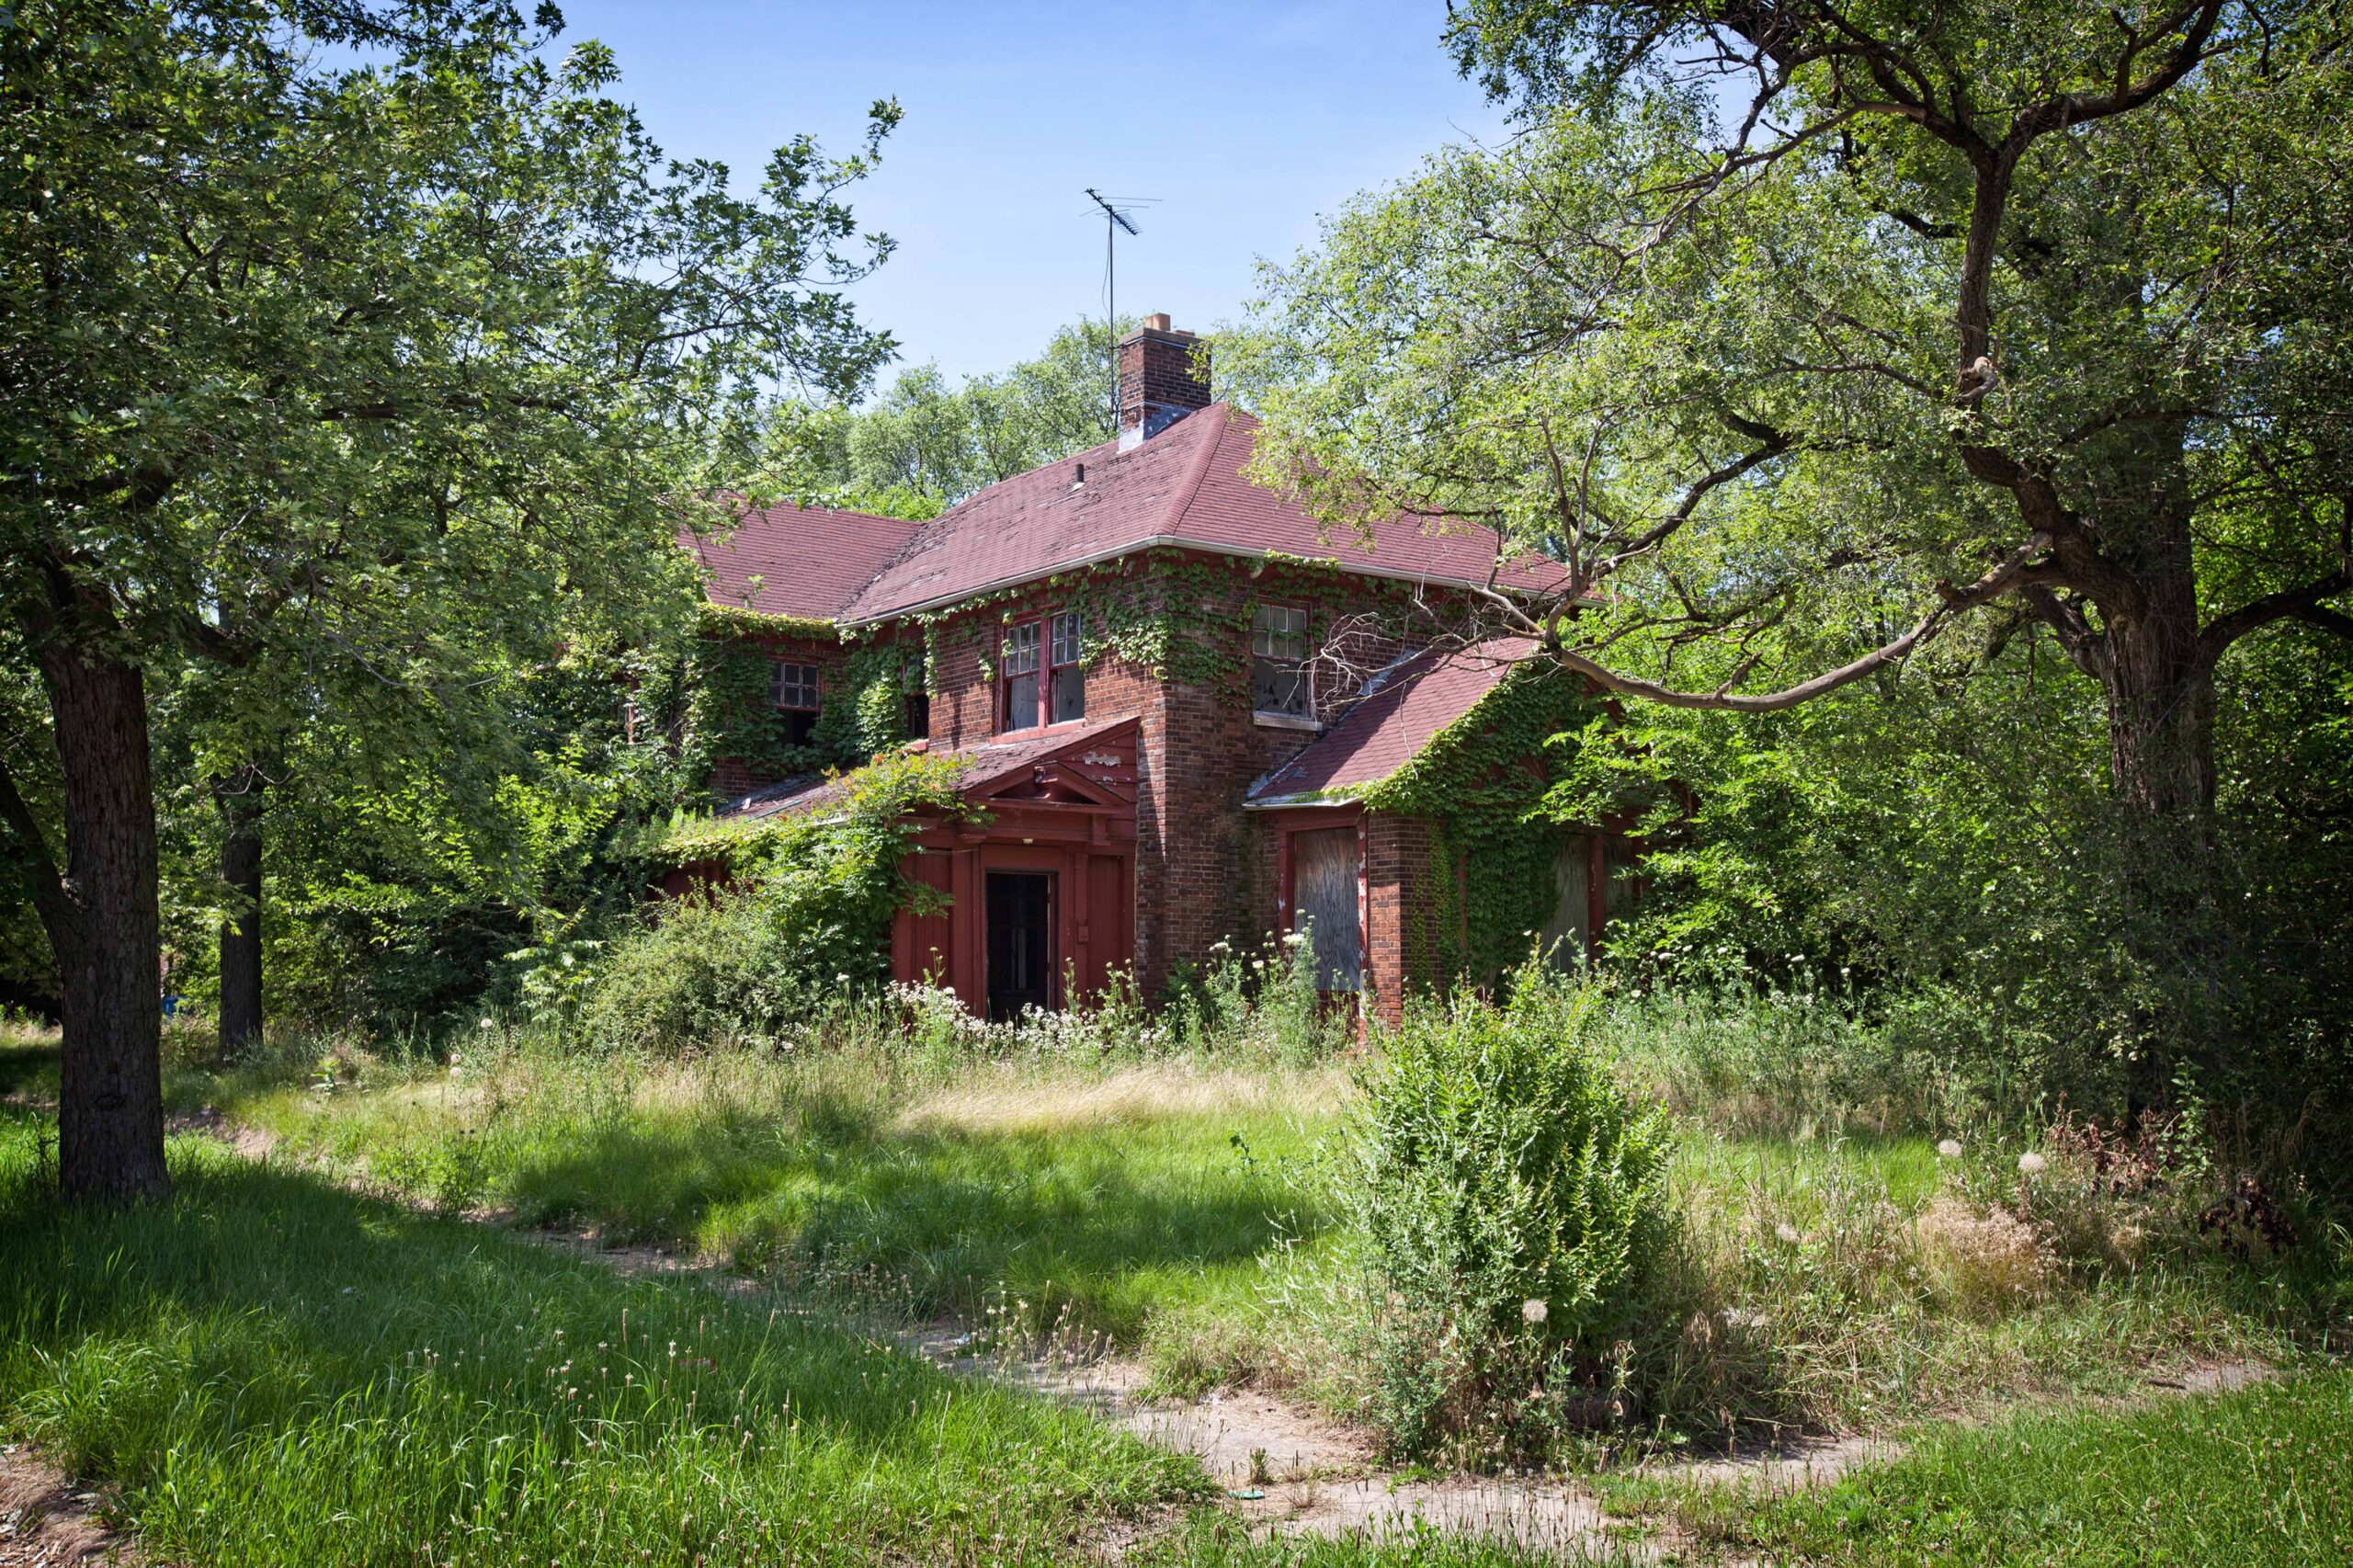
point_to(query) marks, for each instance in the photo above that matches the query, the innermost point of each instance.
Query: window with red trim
(1019, 709)
(1069, 654)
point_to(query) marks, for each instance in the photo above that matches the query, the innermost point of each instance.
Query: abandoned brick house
(1189, 717)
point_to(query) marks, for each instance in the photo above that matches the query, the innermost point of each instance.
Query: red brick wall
(1398, 908)
(1205, 869)
(1157, 376)
(964, 699)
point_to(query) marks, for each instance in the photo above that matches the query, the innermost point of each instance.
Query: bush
(1515, 1202)
(809, 916)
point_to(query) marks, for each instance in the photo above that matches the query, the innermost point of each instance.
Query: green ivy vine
(1179, 616)
(1481, 783)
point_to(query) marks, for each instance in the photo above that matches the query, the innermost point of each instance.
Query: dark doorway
(1323, 895)
(1020, 941)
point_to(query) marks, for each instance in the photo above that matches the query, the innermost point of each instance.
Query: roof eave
(1166, 541)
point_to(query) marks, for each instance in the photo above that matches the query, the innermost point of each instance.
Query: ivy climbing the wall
(1482, 783)
(808, 909)
(1183, 617)
(728, 710)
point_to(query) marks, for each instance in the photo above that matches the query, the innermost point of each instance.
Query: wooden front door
(1020, 941)
(1323, 900)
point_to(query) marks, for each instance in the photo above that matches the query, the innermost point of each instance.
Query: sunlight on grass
(2260, 1476)
(278, 1372)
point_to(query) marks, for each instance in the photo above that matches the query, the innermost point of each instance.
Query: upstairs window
(1020, 711)
(914, 690)
(795, 694)
(1070, 671)
(1279, 661)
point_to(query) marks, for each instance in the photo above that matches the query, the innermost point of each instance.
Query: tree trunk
(2159, 682)
(239, 798)
(2160, 714)
(106, 928)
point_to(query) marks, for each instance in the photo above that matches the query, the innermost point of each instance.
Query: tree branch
(2001, 578)
(30, 848)
(2300, 603)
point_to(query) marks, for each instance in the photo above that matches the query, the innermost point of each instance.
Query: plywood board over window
(1323, 895)
(1568, 935)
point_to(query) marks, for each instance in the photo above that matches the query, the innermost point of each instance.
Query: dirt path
(47, 1522)
(1287, 1470)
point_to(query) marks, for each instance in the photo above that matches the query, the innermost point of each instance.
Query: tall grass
(275, 1370)
(1169, 1184)
(1042, 1192)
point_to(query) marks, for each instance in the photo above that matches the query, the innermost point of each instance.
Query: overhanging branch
(1956, 601)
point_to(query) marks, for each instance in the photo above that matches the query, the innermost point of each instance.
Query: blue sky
(1247, 121)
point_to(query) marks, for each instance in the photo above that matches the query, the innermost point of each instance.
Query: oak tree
(343, 345)
(1806, 332)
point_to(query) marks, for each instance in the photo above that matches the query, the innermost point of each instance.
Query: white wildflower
(1950, 1149)
(2033, 1163)
(1294, 938)
(483, 1024)
(1787, 1231)
(1533, 1311)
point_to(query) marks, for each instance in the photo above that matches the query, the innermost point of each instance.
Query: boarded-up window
(1568, 934)
(1323, 901)
(1617, 892)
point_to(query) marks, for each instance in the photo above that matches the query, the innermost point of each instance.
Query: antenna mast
(1114, 219)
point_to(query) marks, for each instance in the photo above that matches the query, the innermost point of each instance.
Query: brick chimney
(1159, 383)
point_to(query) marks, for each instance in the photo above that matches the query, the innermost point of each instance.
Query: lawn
(278, 1372)
(2263, 1475)
(274, 1368)
(1192, 1211)
(1092, 1201)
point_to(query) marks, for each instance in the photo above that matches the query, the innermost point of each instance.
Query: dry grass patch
(1046, 1104)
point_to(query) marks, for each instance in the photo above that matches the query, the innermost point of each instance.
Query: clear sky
(1247, 121)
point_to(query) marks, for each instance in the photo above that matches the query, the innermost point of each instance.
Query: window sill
(1285, 722)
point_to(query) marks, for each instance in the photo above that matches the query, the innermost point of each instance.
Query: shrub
(1514, 1200)
(1984, 1265)
(809, 915)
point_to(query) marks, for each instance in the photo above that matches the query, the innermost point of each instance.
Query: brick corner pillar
(1398, 909)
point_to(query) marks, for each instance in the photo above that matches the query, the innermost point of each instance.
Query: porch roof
(1400, 711)
(987, 764)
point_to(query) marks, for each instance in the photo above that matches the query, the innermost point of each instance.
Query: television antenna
(1117, 215)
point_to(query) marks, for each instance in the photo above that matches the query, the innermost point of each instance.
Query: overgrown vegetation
(807, 911)
(1845, 1248)
(1514, 1205)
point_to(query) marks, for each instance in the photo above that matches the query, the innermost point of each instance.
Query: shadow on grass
(1101, 1220)
(264, 1353)
(28, 1069)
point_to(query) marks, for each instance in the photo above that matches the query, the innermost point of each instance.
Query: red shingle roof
(1185, 488)
(1404, 706)
(811, 561)
(986, 762)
